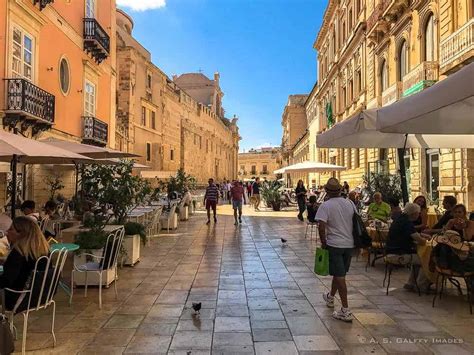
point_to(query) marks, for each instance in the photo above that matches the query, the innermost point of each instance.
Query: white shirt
(337, 213)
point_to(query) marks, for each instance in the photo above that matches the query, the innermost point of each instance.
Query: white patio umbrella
(313, 167)
(18, 149)
(279, 171)
(360, 131)
(90, 151)
(447, 107)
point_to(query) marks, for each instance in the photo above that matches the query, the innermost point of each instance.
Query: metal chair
(152, 225)
(377, 248)
(311, 226)
(167, 217)
(392, 261)
(39, 292)
(106, 262)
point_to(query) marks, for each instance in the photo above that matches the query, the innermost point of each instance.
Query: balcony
(28, 104)
(42, 3)
(392, 94)
(95, 132)
(423, 76)
(386, 12)
(457, 49)
(96, 40)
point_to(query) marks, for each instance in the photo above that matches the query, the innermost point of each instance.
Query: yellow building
(171, 124)
(374, 53)
(260, 162)
(58, 70)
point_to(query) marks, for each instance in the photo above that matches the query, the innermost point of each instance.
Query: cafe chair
(311, 226)
(152, 227)
(376, 249)
(39, 292)
(167, 217)
(394, 261)
(101, 264)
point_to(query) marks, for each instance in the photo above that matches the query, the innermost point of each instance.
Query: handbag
(321, 262)
(359, 232)
(7, 344)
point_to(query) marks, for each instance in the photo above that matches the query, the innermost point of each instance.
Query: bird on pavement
(283, 240)
(197, 307)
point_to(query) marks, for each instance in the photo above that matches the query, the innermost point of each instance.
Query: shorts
(339, 260)
(236, 205)
(211, 204)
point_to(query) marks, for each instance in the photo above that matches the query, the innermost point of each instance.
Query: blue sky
(262, 49)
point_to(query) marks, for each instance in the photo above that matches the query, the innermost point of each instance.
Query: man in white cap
(335, 230)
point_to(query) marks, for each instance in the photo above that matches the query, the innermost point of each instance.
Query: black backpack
(359, 232)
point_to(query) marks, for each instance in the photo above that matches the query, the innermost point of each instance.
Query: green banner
(329, 116)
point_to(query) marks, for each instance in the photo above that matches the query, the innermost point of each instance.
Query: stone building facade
(260, 162)
(373, 53)
(58, 71)
(294, 124)
(172, 124)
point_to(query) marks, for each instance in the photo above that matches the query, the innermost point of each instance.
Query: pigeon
(197, 307)
(283, 240)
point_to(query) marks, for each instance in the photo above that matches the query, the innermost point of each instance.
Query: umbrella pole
(77, 178)
(14, 177)
(403, 177)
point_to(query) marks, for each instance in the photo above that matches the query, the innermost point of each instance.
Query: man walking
(210, 199)
(256, 193)
(335, 230)
(237, 195)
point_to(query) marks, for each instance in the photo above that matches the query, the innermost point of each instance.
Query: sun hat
(333, 185)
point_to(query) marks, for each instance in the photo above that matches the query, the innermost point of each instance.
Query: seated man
(28, 208)
(401, 245)
(312, 208)
(449, 202)
(378, 209)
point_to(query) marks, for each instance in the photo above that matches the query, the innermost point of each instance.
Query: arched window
(402, 60)
(429, 40)
(383, 76)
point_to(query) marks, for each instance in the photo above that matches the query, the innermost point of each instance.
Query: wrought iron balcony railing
(27, 101)
(422, 76)
(458, 46)
(95, 131)
(42, 3)
(96, 40)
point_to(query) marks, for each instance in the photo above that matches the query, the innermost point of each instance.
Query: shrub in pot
(271, 194)
(134, 232)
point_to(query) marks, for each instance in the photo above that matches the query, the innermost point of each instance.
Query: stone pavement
(257, 296)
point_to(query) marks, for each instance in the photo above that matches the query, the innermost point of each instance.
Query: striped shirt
(212, 193)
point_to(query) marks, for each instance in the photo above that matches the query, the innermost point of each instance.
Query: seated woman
(27, 246)
(401, 244)
(422, 222)
(449, 256)
(312, 208)
(379, 209)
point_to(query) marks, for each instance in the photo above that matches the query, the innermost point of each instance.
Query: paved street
(257, 297)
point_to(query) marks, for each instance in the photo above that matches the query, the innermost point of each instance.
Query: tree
(387, 184)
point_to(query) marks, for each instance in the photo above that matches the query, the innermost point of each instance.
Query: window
(350, 20)
(22, 54)
(357, 159)
(148, 152)
(254, 170)
(153, 119)
(402, 60)
(64, 79)
(89, 99)
(207, 145)
(357, 7)
(200, 142)
(172, 154)
(343, 98)
(351, 92)
(143, 116)
(90, 8)
(383, 76)
(429, 54)
(148, 81)
(265, 169)
(358, 83)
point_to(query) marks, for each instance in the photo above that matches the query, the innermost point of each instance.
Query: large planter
(276, 206)
(131, 244)
(108, 276)
(173, 222)
(184, 213)
(192, 208)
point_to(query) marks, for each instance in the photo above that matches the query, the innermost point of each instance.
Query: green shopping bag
(321, 262)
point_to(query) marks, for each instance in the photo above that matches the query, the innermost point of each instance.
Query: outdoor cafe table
(68, 234)
(424, 253)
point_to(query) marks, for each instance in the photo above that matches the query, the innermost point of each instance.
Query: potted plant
(134, 232)
(271, 194)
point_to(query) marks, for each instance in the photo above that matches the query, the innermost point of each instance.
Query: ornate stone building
(172, 124)
(294, 124)
(259, 163)
(373, 53)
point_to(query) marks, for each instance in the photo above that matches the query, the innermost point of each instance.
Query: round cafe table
(69, 246)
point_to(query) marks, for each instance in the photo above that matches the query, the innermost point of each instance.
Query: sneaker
(344, 315)
(329, 300)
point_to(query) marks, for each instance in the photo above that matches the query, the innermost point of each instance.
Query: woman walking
(301, 198)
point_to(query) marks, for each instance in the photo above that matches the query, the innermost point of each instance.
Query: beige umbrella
(18, 149)
(115, 161)
(313, 167)
(90, 151)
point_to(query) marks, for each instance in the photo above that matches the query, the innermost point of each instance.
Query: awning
(360, 131)
(313, 167)
(279, 171)
(445, 108)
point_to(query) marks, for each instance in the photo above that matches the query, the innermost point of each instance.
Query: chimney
(216, 77)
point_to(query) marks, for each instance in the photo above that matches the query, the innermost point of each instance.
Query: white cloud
(142, 5)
